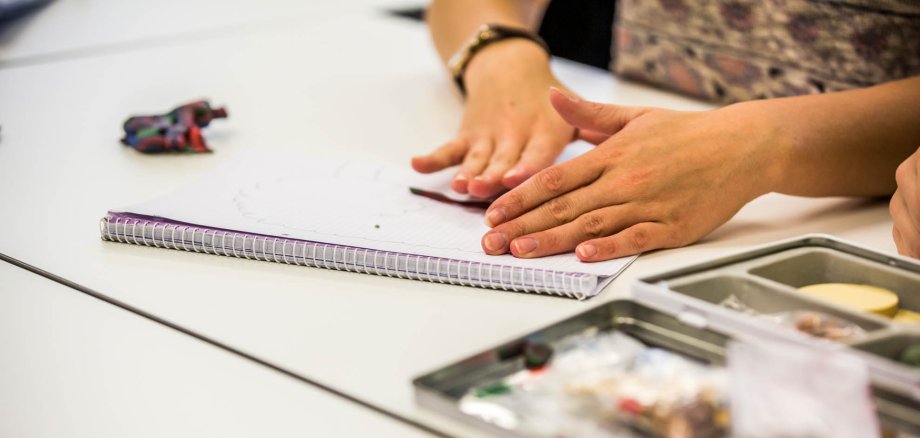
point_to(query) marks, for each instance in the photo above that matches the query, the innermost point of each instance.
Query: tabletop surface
(73, 365)
(62, 30)
(374, 92)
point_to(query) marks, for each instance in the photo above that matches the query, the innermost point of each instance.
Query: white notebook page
(358, 204)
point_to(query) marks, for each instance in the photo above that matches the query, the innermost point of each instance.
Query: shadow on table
(858, 213)
(15, 16)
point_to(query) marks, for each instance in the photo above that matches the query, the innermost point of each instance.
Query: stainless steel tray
(441, 390)
(767, 279)
(678, 310)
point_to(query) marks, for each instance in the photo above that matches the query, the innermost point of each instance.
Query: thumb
(592, 116)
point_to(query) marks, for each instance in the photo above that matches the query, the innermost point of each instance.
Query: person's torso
(739, 50)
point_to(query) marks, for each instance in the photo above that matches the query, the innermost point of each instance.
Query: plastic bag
(787, 390)
(810, 322)
(819, 325)
(607, 384)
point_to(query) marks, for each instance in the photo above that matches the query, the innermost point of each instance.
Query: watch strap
(488, 34)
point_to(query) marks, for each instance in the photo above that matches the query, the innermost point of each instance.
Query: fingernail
(515, 171)
(495, 217)
(568, 96)
(495, 241)
(459, 184)
(586, 250)
(525, 245)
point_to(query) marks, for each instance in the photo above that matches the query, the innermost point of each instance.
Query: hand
(905, 208)
(658, 179)
(509, 130)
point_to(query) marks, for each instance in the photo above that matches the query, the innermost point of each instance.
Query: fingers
(450, 154)
(475, 162)
(638, 238)
(906, 178)
(593, 137)
(898, 240)
(540, 153)
(581, 214)
(603, 234)
(592, 116)
(545, 185)
(486, 170)
(564, 238)
(489, 183)
(907, 232)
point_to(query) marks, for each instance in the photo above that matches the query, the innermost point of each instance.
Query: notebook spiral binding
(126, 229)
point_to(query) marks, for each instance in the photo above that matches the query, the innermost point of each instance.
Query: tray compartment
(890, 347)
(778, 269)
(650, 326)
(802, 267)
(441, 390)
(764, 297)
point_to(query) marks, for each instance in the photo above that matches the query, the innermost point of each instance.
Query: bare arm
(663, 179)
(509, 130)
(847, 143)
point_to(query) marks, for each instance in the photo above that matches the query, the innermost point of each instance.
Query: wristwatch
(487, 34)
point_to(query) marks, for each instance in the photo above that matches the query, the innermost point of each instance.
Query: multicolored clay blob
(176, 131)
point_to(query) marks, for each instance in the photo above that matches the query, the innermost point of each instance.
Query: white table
(70, 29)
(73, 365)
(378, 94)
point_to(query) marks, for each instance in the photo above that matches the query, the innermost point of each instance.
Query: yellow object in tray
(860, 297)
(907, 317)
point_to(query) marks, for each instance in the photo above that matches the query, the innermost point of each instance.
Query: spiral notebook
(345, 215)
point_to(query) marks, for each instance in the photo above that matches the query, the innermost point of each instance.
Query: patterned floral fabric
(731, 51)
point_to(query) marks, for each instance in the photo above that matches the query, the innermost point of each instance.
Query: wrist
(511, 60)
(766, 144)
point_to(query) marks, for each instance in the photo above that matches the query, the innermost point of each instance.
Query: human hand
(658, 179)
(905, 208)
(509, 130)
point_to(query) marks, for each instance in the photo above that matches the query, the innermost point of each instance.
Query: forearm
(844, 144)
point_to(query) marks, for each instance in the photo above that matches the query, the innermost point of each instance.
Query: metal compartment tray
(441, 390)
(767, 280)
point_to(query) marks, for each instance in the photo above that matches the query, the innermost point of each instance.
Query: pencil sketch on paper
(360, 200)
